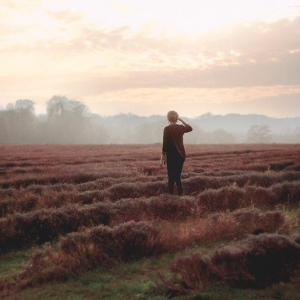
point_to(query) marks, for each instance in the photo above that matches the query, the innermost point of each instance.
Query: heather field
(96, 222)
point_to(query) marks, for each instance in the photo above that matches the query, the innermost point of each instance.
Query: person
(173, 152)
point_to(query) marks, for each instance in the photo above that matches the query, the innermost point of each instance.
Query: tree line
(66, 121)
(70, 121)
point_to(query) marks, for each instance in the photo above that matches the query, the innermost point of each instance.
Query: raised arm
(186, 125)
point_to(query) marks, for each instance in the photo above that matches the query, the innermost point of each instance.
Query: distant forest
(70, 122)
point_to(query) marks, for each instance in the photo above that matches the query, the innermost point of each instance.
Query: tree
(198, 135)
(147, 133)
(206, 115)
(259, 134)
(56, 106)
(60, 105)
(18, 123)
(68, 121)
(296, 135)
(220, 136)
(25, 104)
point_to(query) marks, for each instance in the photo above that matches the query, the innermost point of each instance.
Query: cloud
(60, 50)
(149, 50)
(65, 15)
(194, 95)
(285, 72)
(194, 102)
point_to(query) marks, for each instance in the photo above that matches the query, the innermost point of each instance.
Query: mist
(71, 122)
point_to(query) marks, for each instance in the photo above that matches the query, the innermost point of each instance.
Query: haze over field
(146, 57)
(68, 122)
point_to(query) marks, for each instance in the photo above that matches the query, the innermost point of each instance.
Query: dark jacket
(173, 139)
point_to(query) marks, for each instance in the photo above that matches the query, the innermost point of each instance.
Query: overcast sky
(150, 56)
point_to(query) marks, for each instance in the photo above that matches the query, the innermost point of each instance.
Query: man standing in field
(173, 151)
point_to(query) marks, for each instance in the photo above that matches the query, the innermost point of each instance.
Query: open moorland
(96, 222)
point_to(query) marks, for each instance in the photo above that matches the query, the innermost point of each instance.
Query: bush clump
(78, 252)
(226, 198)
(254, 221)
(38, 227)
(164, 207)
(257, 261)
(234, 197)
(131, 240)
(136, 190)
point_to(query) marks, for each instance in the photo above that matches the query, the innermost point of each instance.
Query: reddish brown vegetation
(51, 191)
(82, 251)
(20, 230)
(231, 198)
(256, 261)
(105, 246)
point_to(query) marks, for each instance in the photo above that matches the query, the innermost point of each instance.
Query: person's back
(173, 150)
(173, 138)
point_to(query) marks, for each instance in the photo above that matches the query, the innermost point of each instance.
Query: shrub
(257, 261)
(255, 221)
(201, 183)
(222, 199)
(218, 226)
(127, 241)
(28, 204)
(234, 197)
(125, 190)
(136, 190)
(286, 193)
(297, 239)
(7, 206)
(259, 196)
(294, 168)
(21, 230)
(89, 197)
(165, 207)
(279, 166)
(82, 251)
(190, 273)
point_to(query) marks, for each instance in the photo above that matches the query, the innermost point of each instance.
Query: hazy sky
(150, 56)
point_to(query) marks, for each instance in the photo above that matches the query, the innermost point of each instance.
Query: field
(96, 222)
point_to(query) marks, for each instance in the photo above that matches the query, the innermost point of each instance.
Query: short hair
(172, 116)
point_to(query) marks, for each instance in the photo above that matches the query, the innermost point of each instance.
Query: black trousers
(174, 166)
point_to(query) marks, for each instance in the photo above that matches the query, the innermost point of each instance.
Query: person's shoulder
(180, 126)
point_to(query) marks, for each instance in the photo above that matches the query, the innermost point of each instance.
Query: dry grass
(256, 261)
(63, 193)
